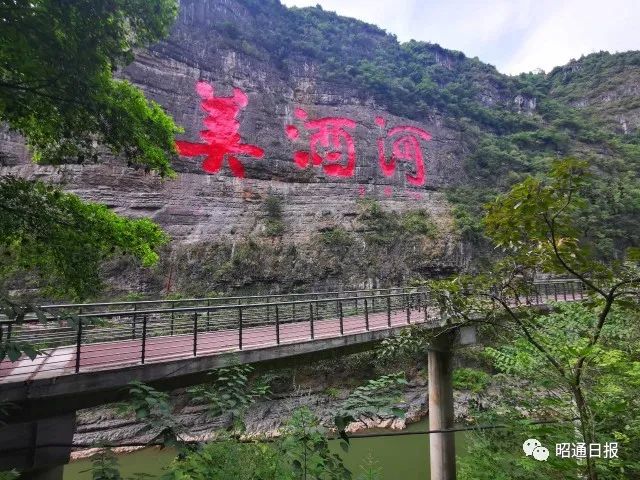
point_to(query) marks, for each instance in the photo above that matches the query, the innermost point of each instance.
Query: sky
(513, 35)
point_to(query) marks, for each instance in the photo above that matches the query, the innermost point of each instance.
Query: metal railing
(215, 301)
(100, 340)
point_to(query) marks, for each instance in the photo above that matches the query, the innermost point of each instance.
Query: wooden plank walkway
(118, 354)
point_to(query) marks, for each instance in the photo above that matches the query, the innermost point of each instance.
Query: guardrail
(112, 339)
(214, 301)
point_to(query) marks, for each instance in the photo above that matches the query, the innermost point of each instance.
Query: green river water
(404, 457)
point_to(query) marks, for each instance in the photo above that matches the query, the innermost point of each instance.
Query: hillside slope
(359, 160)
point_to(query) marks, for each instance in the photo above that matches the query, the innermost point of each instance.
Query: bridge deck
(118, 354)
(109, 340)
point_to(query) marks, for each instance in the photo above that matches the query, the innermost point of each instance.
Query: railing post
(173, 307)
(293, 311)
(564, 291)
(311, 320)
(407, 298)
(389, 310)
(573, 290)
(240, 327)
(366, 315)
(277, 326)
(555, 291)
(426, 307)
(144, 337)
(356, 303)
(133, 322)
(208, 314)
(341, 317)
(195, 333)
(78, 343)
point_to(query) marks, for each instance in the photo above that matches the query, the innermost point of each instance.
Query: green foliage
(17, 312)
(611, 379)
(66, 102)
(14, 350)
(105, 466)
(9, 475)
(146, 401)
(306, 449)
(229, 391)
(332, 392)
(154, 409)
(522, 219)
(370, 470)
(418, 222)
(579, 363)
(274, 226)
(471, 379)
(407, 343)
(231, 459)
(63, 239)
(273, 206)
(378, 397)
(337, 239)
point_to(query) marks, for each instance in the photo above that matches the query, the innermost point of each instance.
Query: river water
(403, 457)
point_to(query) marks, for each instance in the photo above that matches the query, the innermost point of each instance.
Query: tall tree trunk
(585, 428)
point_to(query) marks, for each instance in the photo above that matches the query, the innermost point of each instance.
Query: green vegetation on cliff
(511, 126)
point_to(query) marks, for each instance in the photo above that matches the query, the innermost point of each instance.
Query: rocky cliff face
(200, 207)
(317, 143)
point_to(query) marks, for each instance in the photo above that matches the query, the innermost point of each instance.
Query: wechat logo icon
(533, 448)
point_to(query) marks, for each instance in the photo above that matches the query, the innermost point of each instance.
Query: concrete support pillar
(442, 446)
(38, 449)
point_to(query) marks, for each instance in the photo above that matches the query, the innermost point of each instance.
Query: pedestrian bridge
(91, 352)
(102, 346)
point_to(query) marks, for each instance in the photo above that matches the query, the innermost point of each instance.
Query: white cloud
(514, 35)
(575, 28)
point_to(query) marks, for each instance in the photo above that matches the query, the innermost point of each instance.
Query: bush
(222, 460)
(471, 379)
(418, 222)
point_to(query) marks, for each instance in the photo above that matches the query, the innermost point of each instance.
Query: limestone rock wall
(198, 207)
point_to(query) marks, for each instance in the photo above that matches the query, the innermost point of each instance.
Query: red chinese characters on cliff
(330, 141)
(406, 147)
(331, 144)
(220, 138)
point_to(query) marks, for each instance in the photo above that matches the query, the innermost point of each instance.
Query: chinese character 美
(221, 140)
(595, 450)
(330, 145)
(579, 450)
(563, 450)
(611, 450)
(406, 147)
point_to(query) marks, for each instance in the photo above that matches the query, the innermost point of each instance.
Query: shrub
(471, 379)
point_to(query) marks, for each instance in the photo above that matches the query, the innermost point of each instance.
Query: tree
(538, 225)
(57, 60)
(63, 239)
(57, 89)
